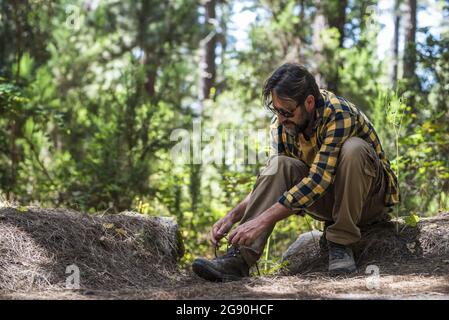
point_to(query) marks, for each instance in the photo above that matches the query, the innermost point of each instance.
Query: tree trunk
(319, 24)
(411, 80)
(149, 54)
(207, 52)
(397, 24)
(336, 19)
(207, 72)
(410, 41)
(328, 15)
(336, 16)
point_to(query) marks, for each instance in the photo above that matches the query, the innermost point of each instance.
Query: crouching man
(326, 160)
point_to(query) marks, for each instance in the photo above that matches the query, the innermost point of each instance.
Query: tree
(328, 38)
(410, 40)
(397, 23)
(411, 80)
(207, 52)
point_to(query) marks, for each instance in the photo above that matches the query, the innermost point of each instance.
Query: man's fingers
(213, 235)
(223, 230)
(247, 242)
(238, 237)
(235, 239)
(212, 238)
(215, 229)
(232, 235)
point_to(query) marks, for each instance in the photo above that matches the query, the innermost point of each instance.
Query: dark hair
(291, 81)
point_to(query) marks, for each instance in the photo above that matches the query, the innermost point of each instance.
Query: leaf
(26, 65)
(412, 220)
(22, 209)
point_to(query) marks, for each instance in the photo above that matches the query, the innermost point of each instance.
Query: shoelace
(233, 253)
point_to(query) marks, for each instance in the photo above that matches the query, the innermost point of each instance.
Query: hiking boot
(229, 267)
(341, 259)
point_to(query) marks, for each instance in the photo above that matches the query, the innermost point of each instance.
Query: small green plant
(272, 266)
(412, 220)
(395, 110)
(142, 206)
(267, 253)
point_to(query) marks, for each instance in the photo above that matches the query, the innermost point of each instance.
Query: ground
(411, 283)
(411, 264)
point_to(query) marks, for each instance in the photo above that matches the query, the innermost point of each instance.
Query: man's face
(300, 119)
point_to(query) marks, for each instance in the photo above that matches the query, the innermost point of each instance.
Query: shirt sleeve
(337, 130)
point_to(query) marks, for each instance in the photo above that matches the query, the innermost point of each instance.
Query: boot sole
(206, 271)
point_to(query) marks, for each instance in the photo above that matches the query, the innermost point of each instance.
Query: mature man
(326, 160)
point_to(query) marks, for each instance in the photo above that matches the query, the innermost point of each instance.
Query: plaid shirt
(336, 120)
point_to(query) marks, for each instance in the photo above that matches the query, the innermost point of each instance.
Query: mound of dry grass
(380, 245)
(112, 252)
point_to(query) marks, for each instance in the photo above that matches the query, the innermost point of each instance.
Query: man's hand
(222, 226)
(220, 229)
(246, 233)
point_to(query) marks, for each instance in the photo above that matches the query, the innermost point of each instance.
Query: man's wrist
(234, 215)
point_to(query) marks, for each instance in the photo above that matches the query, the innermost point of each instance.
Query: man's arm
(321, 175)
(246, 233)
(309, 189)
(237, 213)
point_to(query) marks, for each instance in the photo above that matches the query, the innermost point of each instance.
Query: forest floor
(412, 266)
(413, 283)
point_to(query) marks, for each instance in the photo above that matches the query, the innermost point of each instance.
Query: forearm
(275, 213)
(237, 213)
(248, 232)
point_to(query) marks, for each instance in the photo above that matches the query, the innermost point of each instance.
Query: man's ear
(310, 103)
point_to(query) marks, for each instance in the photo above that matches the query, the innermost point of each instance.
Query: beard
(294, 129)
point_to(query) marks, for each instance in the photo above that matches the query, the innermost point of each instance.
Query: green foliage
(412, 220)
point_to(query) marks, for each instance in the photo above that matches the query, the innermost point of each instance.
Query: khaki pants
(356, 197)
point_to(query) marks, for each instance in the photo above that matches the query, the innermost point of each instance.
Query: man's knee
(286, 161)
(284, 164)
(354, 149)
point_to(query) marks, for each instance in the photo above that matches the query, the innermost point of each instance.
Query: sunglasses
(277, 111)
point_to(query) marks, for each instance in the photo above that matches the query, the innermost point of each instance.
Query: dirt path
(312, 286)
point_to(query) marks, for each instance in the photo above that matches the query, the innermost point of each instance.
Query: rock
(305, 244)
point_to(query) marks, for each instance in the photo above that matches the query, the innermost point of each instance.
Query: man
(326, 160)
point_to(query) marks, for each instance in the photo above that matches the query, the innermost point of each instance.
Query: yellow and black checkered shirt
(336, 121)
